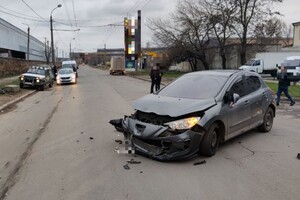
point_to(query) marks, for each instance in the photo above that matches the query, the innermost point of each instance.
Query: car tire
(268, 121)
(50, 85)
(210, 141)
(21, 85)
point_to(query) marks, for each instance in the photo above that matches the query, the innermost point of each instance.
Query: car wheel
(268, 121)
(50, 85)
(210, 141)
(21, 85)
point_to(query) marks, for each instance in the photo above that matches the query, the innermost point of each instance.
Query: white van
(70, 64)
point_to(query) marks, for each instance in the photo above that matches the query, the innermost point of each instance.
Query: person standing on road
(155, 78)
(283, 86)
(54, 71)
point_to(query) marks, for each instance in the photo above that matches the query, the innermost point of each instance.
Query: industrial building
(14, 43)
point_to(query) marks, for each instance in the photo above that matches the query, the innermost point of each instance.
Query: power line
(34, 11)
(21, 16)
(17, 12)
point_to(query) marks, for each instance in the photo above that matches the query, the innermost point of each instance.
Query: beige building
(296, 34)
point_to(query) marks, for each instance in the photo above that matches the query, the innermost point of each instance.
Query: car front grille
(28, 79)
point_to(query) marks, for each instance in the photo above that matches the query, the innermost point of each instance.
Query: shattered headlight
(183, 124)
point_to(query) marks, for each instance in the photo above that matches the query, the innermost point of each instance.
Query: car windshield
(249, 62)
(65, 71)
(36, 71)
(68, 66)
(194, 87)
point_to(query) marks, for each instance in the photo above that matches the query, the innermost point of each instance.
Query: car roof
(69, 62)
(223, 73)
(44, 67)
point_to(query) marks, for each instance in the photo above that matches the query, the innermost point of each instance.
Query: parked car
(71, 64)
(66, 75)
(38, 77)
(196, 112)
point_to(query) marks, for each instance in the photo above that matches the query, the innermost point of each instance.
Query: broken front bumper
(158, 142)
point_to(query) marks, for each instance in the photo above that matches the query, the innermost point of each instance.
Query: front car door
(238, 114)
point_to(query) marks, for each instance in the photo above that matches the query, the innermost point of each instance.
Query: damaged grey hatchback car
(196, 112)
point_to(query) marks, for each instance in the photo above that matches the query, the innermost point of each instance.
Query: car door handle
(246, 102)
(264, 94)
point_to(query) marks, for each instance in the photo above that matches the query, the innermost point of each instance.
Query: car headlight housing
(183, 124)
(21, 78)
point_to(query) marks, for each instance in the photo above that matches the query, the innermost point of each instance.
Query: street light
(51, 29)
(71, 48)
(28, 40)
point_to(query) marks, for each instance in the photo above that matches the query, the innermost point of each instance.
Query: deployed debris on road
(132, 161)
(119, 141)
(200, 163)
(126, 167)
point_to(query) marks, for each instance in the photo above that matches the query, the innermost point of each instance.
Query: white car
(66, 75)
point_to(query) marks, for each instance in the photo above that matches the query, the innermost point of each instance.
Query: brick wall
(13, 67)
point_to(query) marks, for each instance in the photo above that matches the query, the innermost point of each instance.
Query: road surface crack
(11, 179)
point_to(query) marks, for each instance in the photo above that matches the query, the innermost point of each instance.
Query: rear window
(194, 87)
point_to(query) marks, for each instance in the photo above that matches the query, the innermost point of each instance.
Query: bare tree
(248, 14)
(188, 29)
(220, 15)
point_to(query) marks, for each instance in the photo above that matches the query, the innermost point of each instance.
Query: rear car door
(258, 102)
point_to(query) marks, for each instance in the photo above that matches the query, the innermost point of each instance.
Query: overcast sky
(93, 18)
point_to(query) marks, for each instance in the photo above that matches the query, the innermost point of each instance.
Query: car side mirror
(235, 97)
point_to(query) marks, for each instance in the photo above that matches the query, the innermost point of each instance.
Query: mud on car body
(196, 112)
(38, 77)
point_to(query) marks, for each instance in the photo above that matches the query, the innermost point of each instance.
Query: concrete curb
(16, 100)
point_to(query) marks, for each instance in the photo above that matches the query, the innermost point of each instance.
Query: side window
(239, 88)
(253, 83)
(257, 63)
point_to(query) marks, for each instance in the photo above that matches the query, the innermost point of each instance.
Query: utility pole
(51, 29)
(104, 54)
(28, 41)
(52, 43)
(70, 54)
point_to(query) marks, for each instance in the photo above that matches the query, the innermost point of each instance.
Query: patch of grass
(12, 82)
(173, 74)
(294, 90)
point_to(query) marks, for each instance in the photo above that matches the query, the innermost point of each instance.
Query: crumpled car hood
(170, 106)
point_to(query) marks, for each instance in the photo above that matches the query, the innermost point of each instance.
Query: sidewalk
(9, 99)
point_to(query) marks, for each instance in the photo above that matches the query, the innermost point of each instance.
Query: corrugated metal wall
(13, 38)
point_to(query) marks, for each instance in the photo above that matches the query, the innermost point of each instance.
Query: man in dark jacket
(155, 78)
(283, 86)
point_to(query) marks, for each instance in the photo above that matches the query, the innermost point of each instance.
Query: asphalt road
(58, 144)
